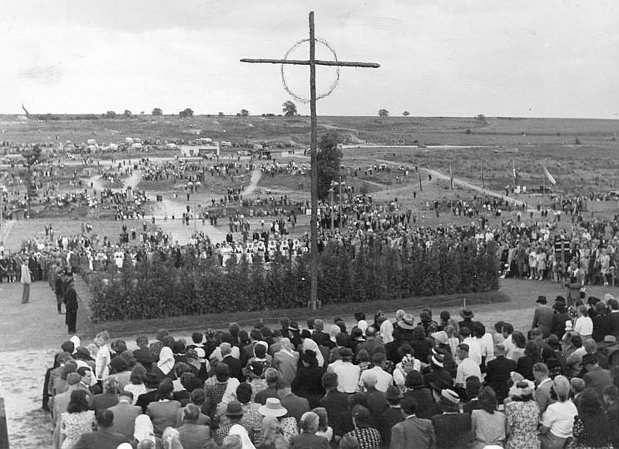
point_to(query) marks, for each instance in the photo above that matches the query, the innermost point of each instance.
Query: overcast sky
(547, 58)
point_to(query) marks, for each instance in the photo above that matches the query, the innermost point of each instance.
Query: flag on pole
(549, 176)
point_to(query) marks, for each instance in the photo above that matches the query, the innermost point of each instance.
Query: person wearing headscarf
(143, 430)
(166, 362)
(239, 430)
(170, 439)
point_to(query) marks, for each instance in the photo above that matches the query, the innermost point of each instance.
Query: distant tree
(406, 113)
(577, 141)
(244, 112)
(110, 114)
(221, 114)
(383, 112)
(127, 113)
(157, 111)
(188, 112)
(32, 157)
(468, 131)
(481, 118)
(328, 161)
(289, 109)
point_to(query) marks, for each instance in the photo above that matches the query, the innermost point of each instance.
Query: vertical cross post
(312, 63)
(314, 168)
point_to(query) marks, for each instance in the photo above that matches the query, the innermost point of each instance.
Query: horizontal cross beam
(317, 62)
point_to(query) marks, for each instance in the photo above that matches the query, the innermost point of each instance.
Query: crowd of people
(408, 382)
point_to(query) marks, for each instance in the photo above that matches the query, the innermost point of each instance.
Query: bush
(372, 270)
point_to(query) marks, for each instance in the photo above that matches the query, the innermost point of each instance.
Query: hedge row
(165, 287)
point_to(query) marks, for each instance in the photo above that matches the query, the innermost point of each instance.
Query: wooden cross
(312, 62)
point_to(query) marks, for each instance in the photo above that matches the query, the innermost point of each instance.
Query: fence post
(4, 433)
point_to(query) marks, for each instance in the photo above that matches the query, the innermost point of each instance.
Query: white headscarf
(143, 429)
(239, 430)
(363, 325)
(386, 331)
(166, 360)
(76, 341)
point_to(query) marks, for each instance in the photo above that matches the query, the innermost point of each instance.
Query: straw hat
(273, 408)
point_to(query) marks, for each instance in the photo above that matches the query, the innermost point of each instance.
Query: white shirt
(509, 346)
(347, 376)
(584, 326)
(559, 418)
(487, 346)
(102, 369)
(384, 378)
(474, 349)
(466, 369)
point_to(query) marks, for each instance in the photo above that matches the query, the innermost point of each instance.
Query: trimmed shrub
(186, 284)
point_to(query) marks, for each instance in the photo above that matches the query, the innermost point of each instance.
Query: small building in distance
(200, 150)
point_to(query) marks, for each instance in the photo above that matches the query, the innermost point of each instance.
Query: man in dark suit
(413, 431)
(192, 434)
(595, 377)
(125, 414)
(70, 301)
(337, 406)
(109, 397)
(498, 373)
(103, 437)
(295, 405)
(542, 317)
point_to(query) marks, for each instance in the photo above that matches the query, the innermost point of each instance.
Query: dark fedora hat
(467, 313)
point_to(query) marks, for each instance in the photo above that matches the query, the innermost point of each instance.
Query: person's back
(125, 415)
(451, 429)
(163, 414)
(194, 436)
(103, 437)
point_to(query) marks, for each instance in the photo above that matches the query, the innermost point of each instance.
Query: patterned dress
(368, 437)
(522, 419)
(74, 425)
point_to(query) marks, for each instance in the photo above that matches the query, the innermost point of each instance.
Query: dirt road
(461, 183)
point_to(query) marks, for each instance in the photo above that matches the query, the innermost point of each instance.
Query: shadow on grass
(273, 317)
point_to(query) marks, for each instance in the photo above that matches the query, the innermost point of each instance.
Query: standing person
(542, 316)
(104, 357)
(70, 301)
(26, 280)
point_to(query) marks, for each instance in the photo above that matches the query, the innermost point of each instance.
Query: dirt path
(461, 183)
